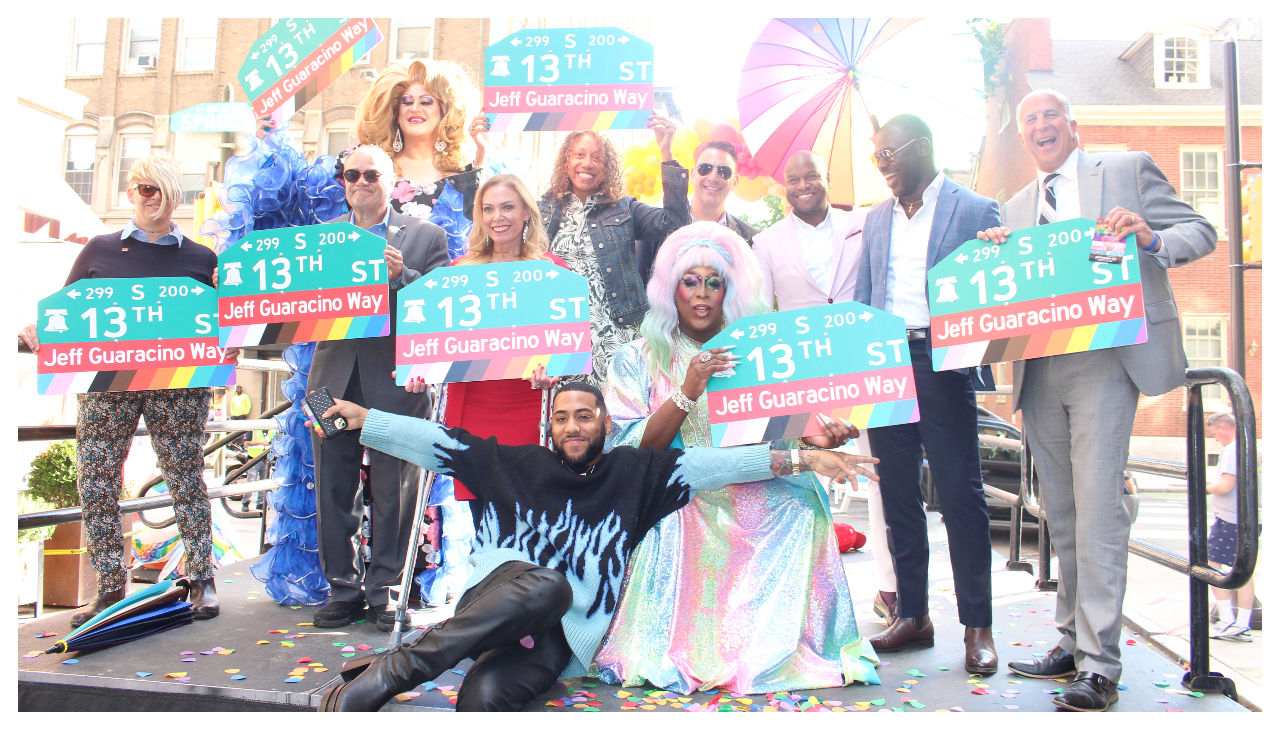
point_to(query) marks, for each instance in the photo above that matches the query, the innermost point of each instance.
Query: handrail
(67, 431)
(139, 504)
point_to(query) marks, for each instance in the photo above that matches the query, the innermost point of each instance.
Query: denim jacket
(616, 230)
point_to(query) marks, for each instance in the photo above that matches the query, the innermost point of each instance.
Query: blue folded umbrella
(156, 608)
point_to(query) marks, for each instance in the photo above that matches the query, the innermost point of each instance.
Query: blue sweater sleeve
(710, 468)
(415, 440)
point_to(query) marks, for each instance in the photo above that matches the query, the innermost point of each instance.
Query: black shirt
(110, 257)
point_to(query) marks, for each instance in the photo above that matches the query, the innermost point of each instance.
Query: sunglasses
(145, 191)
(692, 281)
(886, 156)
(370, 176)
(705, 168)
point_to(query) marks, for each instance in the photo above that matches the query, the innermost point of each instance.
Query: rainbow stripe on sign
(567, 121)
(331, 72)
(504, 368)
(1042, 344)
(102, 381)
(311, 330)
(760, 430)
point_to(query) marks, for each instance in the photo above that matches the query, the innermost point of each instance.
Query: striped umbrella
(800, 89)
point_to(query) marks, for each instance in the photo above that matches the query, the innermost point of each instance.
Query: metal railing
(1198, 676)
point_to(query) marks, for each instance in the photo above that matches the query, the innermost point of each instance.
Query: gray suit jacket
(955, 214)
(424, 247)
(1132, 180)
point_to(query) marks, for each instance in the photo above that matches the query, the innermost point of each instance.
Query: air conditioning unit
(147, 62)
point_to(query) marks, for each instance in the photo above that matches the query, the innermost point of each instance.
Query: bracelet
(682, 401)
(795, 462)
(1154, 244)
(807, 447)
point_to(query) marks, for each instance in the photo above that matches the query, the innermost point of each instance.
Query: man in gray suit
(361, 371)
(1079, 408)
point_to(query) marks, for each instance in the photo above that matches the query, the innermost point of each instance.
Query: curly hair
(480, 248)
(448, 82)
(611, 186)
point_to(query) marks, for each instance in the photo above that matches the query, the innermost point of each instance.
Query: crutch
(402, 623)
(544, 420)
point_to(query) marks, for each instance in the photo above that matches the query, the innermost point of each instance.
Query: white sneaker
(1219, 628)
(1233, 633)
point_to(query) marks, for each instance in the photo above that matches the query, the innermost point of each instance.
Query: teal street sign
(845, 361)
(1053, 289)
(303, 284)
(299, 57)
(563, 79)
(100, 335)
(233, 116)
(493, 322)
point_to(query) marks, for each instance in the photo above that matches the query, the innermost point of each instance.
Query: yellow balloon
(703, 128)
(778, 189)
(634, 155)
(750, 190)
(685, 160)
(652, 150)
(652, 166)
(684, 142)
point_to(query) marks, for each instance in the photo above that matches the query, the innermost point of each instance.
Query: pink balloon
(724, 132)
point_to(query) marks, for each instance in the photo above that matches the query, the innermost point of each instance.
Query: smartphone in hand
(315, 404)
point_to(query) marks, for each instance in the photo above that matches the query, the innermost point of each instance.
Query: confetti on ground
(309, 623)
(231, 671)
(228, 580)
(304, 660)
(32, 655)
(1122, 686)
(143, 674)
(980, 692)
(406, 696)
(226, 652)
(175, 675)
(264, 642)
(915, 673)
(320, 669)
(45, 634)
(72, 661)
(209, 653)
(286, 643)
(183, 679)
(237, 677)
(877, 702)
(277, 631)
(916, 704)
(1010, 707)
(293, 679)
(1162, 683)
(189, 659)
(944, 669)
(253, 598)
(364, 647)
(186, 653)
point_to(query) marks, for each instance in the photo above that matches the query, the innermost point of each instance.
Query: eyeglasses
(145, 191)
(370, 176)
(692, 281)
(886, 156)
(705, 168)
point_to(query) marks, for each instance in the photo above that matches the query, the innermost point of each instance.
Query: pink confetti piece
(186, 653)
(189, 659)
(218, 648)
(527, 642)
(183, 679)
(32, 655)
(208, 653)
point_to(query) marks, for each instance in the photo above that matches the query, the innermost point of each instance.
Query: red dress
(507, 410)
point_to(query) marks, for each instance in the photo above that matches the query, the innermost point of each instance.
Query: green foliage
(990, 36)
(775, 214)
(28, 504)
(53, 476)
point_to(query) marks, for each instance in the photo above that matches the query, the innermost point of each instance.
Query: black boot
(102, 602)
(204, 598)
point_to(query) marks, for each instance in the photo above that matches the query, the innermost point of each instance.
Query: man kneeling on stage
(554, 531)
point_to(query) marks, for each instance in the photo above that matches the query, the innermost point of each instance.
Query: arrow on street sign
(736, 334)
(430, 284)
(865, 316)
(73, 293)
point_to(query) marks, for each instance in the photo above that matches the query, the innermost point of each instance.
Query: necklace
(166, 230)
(581, 474)
(688, 349)
(911, 207)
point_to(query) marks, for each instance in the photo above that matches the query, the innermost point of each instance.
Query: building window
(413, 38)
(89, 46)
(79, 168)
(132, 147)
(1181, 60)
(142, 44)
(1202, 183)
(198, 43)
(337, 140)
(193, 179)
(1205, 341)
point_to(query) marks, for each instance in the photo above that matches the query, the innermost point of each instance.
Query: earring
(524, 235)
(399, 143)
(440, 145)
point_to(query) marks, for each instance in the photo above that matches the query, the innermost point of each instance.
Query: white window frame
(1202, 57)
(182, 47)
(120, 183)
(1214, 396)
(77, 134)
(338, 128)
(126, 61)
(1216, 220)
(75, 49)
(393, 49)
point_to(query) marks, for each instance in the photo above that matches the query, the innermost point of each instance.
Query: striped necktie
(1049, 206)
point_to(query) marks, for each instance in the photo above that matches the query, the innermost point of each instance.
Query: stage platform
(107, 680)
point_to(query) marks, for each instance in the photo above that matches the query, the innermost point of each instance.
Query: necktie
(1049, 206)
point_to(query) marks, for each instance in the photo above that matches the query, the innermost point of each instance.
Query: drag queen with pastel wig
(743, 589)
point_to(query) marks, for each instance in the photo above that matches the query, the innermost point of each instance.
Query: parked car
(1002, 469)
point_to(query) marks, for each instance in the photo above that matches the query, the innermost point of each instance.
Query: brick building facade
(1144, 96)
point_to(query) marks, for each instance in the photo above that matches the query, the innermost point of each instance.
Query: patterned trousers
(104, 430)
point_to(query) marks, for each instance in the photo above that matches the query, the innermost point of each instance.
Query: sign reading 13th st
(1052, 289)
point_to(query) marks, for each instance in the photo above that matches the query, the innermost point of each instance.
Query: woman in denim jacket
(594, 227)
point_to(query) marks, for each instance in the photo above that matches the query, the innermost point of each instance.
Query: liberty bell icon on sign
(500, 66)
(946, 289)
(233, 273)
(57, 320)
(415, 311)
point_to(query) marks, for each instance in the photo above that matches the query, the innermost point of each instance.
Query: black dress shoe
(339, 613)
(100, 603)
(1088, 692)
(1057, 663)
(204, 598)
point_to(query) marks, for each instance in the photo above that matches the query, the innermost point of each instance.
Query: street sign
(844, 360)
(299, 57)
(102, 335)
(563, 79)
(493, 322)
(231, 116)
(1052, 289)
(303, 284)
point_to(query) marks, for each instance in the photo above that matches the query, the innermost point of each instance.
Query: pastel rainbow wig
(704, 243)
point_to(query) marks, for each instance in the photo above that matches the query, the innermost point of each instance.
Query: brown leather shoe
(204, 598)
(885, 606)
(904, 633)
(979, 651)
(102, 602)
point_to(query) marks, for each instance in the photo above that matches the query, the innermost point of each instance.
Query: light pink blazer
(785, 273)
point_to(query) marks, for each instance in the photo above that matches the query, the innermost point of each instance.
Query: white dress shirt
(1066, 188)
(817, 248)
(906, 288)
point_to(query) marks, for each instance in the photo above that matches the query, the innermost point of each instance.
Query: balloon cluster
(642, 171)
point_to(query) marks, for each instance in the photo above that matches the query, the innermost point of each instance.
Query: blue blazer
(958, 215)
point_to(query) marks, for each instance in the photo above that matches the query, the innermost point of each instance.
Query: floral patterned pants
(104, 430)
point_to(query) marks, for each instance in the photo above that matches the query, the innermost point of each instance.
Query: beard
(594, 448)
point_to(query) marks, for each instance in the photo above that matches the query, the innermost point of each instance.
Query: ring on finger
(705, 357)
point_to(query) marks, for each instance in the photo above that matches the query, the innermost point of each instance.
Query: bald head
(806, 180)
(1046, 128)
(904, 156)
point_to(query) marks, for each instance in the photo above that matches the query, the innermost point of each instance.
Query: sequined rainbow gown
(742, 589)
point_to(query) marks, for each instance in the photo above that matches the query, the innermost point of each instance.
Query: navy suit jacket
(958, 215)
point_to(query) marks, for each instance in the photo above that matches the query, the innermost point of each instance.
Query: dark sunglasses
(145, 191)
(370, 176)
(886, 156)
(692, 281)
(705, 168)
